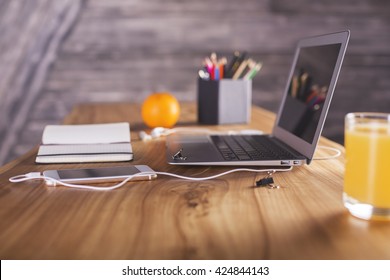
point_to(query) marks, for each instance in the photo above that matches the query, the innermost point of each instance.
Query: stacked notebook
(85, 143)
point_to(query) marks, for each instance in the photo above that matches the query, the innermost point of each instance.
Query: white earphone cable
(54, 182)
(336, 155)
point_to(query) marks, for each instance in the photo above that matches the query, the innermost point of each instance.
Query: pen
(238, 58)
(252, 73)
(240, 69)
(222, 64)
(208, 65)
(249, 66)
(215, 68)
(229, 67)
(213, 58)
(216, 73)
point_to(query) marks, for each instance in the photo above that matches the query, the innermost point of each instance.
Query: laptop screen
(308, 89)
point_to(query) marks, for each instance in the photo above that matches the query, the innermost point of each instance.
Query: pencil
(240, 69)
(252, 73)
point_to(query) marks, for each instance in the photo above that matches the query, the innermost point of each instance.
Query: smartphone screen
(103, 174)
(97, 172)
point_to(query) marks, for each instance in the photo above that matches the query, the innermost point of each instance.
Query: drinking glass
(367, 169)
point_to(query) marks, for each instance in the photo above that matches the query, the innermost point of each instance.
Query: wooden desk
(174, 219)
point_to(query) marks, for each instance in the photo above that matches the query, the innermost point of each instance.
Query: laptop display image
(301, 116)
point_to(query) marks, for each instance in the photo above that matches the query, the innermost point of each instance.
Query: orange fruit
(160, 109)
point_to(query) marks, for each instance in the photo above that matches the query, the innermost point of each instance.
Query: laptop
(297, 128)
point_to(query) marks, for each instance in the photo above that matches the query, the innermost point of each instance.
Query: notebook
(306, 100)
(85, 143)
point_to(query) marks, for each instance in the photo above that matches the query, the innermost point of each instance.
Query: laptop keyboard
(247, 147)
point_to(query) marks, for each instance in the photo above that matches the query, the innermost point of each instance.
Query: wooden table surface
(226, 218)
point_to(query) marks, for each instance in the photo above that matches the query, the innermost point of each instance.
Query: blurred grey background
(55, 54)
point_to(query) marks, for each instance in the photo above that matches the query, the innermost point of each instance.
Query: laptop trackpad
(196, 148)
(188, 138)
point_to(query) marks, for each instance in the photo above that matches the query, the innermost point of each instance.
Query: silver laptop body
(301, 117)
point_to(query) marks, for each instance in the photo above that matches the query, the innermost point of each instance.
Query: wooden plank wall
(30, 33)
(124, 50)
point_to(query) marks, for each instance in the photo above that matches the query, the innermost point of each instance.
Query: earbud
(144, 136)
(159, 131)
(155, 133)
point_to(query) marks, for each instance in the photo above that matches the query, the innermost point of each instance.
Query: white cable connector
(26, 177)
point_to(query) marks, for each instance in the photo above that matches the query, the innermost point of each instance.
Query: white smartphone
(100, 175)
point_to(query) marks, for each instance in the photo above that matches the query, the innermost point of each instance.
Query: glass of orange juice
(367, 168)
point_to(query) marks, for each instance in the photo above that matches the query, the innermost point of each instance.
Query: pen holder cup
(225, 101)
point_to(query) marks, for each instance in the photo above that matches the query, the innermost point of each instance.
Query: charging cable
(336, 154)
(53, 182)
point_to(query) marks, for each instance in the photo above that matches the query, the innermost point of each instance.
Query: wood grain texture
(170, 218)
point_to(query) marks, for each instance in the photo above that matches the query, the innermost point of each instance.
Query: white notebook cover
(86, 134)
(85, 143)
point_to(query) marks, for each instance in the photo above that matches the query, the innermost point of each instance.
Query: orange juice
(367, 170)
